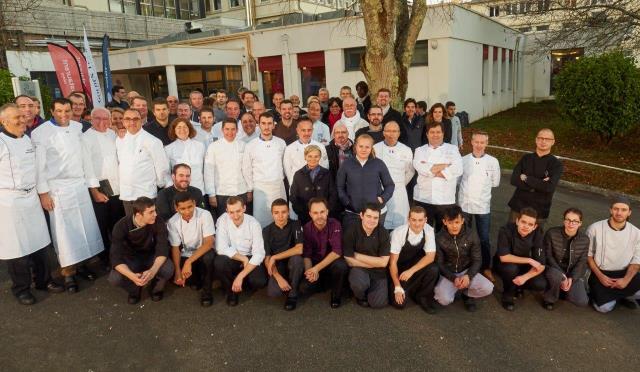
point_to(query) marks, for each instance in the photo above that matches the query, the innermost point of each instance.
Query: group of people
(344, 195)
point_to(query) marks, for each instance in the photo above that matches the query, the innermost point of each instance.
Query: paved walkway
(95, 330)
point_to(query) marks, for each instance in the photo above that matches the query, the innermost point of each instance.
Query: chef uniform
(143, 167)
(217, 130)
(262, 170)
(398, 159)
(294, 160)
(65, 172)
(223, 172)
(191, 153)
(101, 147)
(23, 229)
(206, 138)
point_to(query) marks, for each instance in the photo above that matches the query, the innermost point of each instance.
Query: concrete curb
(582, 187)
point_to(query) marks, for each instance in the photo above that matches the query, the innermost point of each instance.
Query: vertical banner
(106, 69)
(96, 91)
(84, 71)
(67, 70)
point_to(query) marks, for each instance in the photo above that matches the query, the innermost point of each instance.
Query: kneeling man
(411, 266)
(283, 248)
(459, 260)
(614, 259)
(240, 251)
(191, 235)
(139, 250)
(366, 248)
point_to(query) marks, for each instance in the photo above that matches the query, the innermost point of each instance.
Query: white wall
(21, 63)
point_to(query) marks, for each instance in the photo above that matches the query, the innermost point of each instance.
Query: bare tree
(392, 28)
(12, 14)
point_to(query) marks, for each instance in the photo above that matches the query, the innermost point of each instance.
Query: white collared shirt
(101, 147)
(479, 175)
(614, 249)
(223, 168)
(400, 233)
(245, 239)
(206, 138)
(429, 188)
(188, 235)
(294, 157)
(262, 161)
(321, 133)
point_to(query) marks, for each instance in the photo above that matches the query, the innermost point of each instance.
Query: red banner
(67, 70)
(84, 70)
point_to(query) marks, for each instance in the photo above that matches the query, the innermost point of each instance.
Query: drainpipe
(250, 10)
(287, 74)
(515, 67)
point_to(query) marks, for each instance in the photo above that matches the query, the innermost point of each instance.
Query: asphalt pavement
(95, 329)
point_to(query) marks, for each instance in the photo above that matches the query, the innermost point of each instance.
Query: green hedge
(601, 94)
(6, 88)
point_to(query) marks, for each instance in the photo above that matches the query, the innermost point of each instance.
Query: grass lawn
(516, 128)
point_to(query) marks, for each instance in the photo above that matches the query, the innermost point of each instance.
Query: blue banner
(106, 70)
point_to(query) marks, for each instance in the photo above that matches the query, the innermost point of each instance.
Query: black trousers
(107, 215)
(292, 269)
(138, 265)
(226, 269)
(435, 213)
(202, 272)
(508, 271)
(420, 287)
(332, 277)
(20, 271)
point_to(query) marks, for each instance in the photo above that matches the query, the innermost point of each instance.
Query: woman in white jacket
(184, 149)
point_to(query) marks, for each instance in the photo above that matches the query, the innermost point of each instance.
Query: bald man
(535, 177)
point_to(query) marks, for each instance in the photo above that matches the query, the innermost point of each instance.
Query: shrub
(6, 87)
(601, 94)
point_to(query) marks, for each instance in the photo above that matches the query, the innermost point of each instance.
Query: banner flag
(106, 69)
(96, 90)
(67, 70)
(84, 71)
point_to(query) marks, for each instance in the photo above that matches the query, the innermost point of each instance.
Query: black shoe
(629, 304)
(26, 298)
(52, 287)
(469, 304)
(157, 296)
(86, 274)
(508, 305)
(70, 284)
(547, 305)
(428, 306)
(520, 293)
(206, 300)
(232, 299)
(362, 302)
(335, 302)
(290, 303)
(133, 299)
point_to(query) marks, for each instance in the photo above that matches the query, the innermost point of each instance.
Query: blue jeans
(483, 225)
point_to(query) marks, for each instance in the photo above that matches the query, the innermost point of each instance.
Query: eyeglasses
(133, 120)
(572, 222)
(545, 139)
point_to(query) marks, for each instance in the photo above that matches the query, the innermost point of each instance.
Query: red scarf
(333, 119)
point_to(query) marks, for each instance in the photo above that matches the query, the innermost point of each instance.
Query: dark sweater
(377, 136)
(358, 185)
(303, 189)
(510, 242)
(333, 153)
(130, 243)
(412, 133)
(165, 205)
(158, 131)
(535, 192)
(392, 115)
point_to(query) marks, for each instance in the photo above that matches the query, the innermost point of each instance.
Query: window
(524, 29)
(485, 62)
(494, 11)
(116, 6)
(559, 58)
(312, 73)
(158, 8)
(235, 3)
(507, 9)
(542, 28)
(130, 6)
(208, 79)
(421, 53)
(352, 58)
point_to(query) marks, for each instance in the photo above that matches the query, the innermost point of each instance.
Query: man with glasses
(375, 125)
(566, 250)
(535, 177)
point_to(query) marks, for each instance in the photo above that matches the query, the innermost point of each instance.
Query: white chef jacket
(429, 188)
(294, 157)
(353, 124)
(102, 153)
(478, 177)
(143, 165)
(398, 160)
(262, 161)
(188, 235)
(23, 229)
(223, 168)
(249, 138)
(321, 133)
(206, 138)
(399, 234)
(217, 130)
(189, 152)
(245, 239)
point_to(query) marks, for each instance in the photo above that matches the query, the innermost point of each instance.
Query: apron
(398, 205)
(410, 254)
(23, 229)
(264, 193)
(601, 294)
(74, 228)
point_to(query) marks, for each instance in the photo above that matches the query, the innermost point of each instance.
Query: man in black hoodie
(459, 260)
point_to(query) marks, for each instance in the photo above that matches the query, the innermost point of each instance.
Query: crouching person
(283, 249)
(240, 251)
(139, 249)
(411, 266)
(366, 249)
(459, 260)
(191, 235)
(567, 248)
